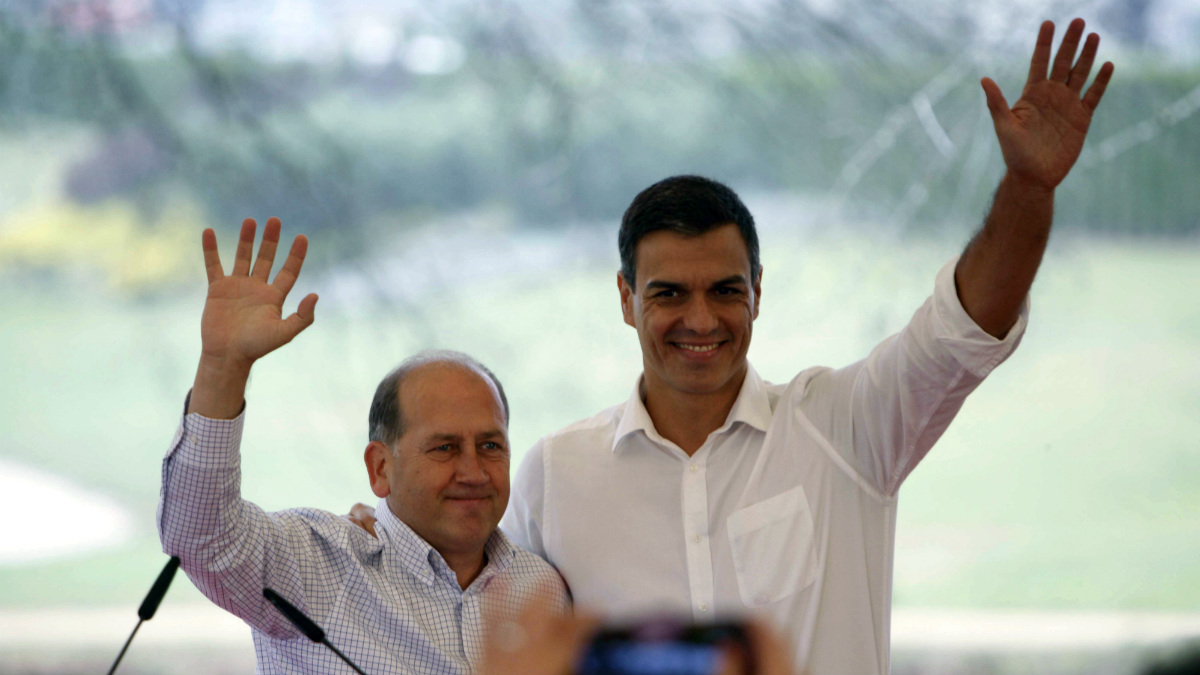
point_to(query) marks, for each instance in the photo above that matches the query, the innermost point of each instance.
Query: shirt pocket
(772, 544)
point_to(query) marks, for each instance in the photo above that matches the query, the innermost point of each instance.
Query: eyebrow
(730, 281)
(442, 437)
(489, 434)
(733, 280)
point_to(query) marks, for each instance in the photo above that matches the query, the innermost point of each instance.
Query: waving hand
(1042, 135)
(243, 316)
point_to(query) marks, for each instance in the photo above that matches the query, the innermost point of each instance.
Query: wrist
(220, 367)
(220, 387)
(1024, 186)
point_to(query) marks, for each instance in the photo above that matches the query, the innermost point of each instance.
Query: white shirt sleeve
(882, 414)
(522, 521)
(229, 547)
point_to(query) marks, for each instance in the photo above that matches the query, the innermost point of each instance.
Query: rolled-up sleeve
(971, 346)
(883, 414)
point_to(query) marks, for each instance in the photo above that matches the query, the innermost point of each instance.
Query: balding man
(411, 601)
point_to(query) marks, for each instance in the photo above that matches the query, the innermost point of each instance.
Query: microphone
(150, 605)
(305, 625)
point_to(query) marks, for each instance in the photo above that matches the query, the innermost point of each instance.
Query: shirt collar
(752, 407)
(420, 558)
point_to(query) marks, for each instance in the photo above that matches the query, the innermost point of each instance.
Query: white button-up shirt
(787, 510)
(392, 604)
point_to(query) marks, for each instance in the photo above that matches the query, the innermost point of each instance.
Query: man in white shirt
(711, 492)
(412, 600)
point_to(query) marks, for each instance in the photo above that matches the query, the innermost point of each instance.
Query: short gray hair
(386, 420)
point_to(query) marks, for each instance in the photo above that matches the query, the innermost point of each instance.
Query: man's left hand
(1042, 135)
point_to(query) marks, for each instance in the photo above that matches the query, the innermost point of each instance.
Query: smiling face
(446, 477)
(693, 307)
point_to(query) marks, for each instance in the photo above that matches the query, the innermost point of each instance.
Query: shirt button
(696, 538)
(704, 607)
(693, 468)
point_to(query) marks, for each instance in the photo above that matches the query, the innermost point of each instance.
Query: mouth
(698, 350)
(467, 501)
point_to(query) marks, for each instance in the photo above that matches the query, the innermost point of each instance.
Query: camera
(669, 647)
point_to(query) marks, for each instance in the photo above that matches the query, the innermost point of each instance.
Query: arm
(1040, 137)
(229, 547)
(884, 413)
(523, 519)
(242, 320)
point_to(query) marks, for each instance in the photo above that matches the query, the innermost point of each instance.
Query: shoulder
(328, 529)
(529, 576)
(526, 565)
(807, 384)
(593, 431)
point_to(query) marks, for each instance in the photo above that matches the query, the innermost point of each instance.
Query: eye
(666, 294)
(445, 447)
(493, 446)
(728, 291)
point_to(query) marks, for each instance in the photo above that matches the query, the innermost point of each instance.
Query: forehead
(669, 256)
(449, 398)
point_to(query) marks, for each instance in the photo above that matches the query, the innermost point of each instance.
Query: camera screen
(664, 648)
(651, 658)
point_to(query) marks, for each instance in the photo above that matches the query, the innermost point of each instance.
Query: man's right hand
(243, 317)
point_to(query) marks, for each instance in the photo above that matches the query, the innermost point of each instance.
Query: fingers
(1079, 74)
(363, 516)
(241, 260)
(266, 250)
(291, 267)
(539, 642)
(212, 259)
(771, 654)
(1066, 51)
(1041, 54)
(995, 100)
(303, 318)
(1092, 98)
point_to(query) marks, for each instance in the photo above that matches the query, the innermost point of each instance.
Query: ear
(379, 468)
(757, 285)
(627, 298)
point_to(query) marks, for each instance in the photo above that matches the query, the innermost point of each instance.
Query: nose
(468, 469)
(698, 317)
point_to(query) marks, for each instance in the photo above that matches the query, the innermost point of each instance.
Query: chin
(697, 383)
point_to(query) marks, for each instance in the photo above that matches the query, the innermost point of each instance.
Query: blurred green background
(461, 170)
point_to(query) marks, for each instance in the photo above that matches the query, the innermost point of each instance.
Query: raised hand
(243, 316)
(1042, 135)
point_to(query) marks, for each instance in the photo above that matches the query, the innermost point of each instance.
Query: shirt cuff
(971, 346)
(207, 443)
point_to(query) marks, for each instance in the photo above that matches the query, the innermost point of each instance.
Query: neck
(466, 566)
(686, 419)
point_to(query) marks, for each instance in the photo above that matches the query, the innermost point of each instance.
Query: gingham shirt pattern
(392, 604)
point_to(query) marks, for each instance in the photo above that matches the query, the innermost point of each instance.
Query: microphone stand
(150, 604)
(306, 625)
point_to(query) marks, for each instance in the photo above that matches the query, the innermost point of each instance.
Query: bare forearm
(219, 388)
(997, 268)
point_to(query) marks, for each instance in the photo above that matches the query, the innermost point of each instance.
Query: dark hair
(386, 420)
(688, 205)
